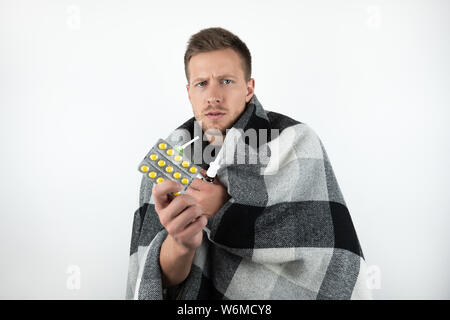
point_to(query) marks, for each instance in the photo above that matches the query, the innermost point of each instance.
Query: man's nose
(214, 100)
(214, 95)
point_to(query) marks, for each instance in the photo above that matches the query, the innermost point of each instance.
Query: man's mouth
(215, 115)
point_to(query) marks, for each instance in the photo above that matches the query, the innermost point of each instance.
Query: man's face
(217, 88)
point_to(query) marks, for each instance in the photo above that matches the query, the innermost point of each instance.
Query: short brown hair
(215, 39)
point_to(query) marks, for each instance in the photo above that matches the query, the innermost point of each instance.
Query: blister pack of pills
(165, 162)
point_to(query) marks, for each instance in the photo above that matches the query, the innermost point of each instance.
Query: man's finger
(178, 223)
(179, 204)
(203, 173)
(194, 193)
(195, 227)
(196, 184)
(201, 184)
(161, 190)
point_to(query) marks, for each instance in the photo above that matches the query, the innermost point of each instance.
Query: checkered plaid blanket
(285, 233)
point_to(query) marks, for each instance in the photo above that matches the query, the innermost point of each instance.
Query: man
(273, 229)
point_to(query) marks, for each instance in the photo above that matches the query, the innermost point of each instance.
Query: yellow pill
(144, 168)
(152, 174)
(177, 175)
(193, 169)
(169, 169)
(161, 163)
(153, 157)
(184, 181)
(159, 180)
(162, 146)
(176, 193)
(185, 164)
(170, 152)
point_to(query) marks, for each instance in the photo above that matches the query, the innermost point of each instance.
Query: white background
(86, 87)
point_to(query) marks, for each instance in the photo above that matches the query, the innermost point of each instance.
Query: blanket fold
(285, 232)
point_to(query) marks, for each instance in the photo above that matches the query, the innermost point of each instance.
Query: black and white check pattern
(285, 233)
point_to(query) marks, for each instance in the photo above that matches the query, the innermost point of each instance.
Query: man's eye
(228, 80)
(199, 84)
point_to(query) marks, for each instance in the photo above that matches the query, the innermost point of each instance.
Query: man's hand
(181, 216)
(210, 197)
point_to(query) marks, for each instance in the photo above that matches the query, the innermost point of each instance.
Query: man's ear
(187, 88)
(250, 89)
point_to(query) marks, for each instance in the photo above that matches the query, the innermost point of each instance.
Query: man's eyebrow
(220, 76)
